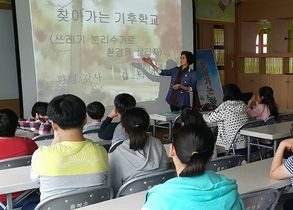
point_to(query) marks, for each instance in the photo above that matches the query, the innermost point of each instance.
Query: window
(262, 41)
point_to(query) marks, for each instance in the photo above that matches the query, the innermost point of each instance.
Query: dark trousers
(177, 108)
(288, 205)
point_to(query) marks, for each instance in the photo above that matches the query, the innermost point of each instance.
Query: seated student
(95, 111)
(40, 123)
(13, 146)
(191, 115)
(140, 154)
(194, 188)
(70, 162)
(229, 115)
(280, 170)
(265, 105)
(113, 131)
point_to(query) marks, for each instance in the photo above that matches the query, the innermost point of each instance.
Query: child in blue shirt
(194, 188)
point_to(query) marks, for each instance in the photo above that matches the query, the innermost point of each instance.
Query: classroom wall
(8, 78)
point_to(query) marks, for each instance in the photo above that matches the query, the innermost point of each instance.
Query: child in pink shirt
(265, 105)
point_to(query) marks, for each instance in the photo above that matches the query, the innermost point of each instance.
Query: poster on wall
(209, 85)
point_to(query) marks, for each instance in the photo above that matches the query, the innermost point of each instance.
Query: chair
(222, 163)
(93, 134)
(248, 124)
(15, 162)
(270, 120)
(267, 144)
(90, 131)
(44, 137)
(77, 199)
(175, 122)
(262, 200)
(146, 182)
(114, 146)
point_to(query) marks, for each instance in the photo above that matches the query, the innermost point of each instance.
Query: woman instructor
(183, 81)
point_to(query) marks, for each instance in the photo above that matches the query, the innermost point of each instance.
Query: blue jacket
(209, 191)
(189, 79)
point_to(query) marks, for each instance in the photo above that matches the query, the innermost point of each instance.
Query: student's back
(125, 164)
(194, 188)
(229, 115)
(95, 111)
(265, 105)
(11, 145)
(71, 162)
(69, 166)
(138, 155)
(40, 123)
(109, 129)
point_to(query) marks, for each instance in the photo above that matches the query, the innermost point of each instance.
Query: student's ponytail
(136, 123)
(194, 145)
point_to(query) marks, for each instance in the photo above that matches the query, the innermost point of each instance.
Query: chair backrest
(96, 130)
(263, 199)
(44, 137)
(15, 162)
(114, 146)
(175, 123)
(77, 199)
(270, 120)
(222, 163)
(92, 134)
(248, 124)
(146, 182)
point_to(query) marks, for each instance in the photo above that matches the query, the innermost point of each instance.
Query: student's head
(191, 115)
(189, 57)
(231, 92)
(266, 96)
(136, 122)
(124, 101)
(39, 108)
(194, 145)
(95, 110)
(67, 111)
(8, 123)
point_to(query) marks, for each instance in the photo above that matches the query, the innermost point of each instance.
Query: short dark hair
(231, 92)
(39, 108)
(136, 122)
(191, 115)
(8, 123)
(95, 110)
(123, 102)
(189, 57)
(194, 145)
(67, 111)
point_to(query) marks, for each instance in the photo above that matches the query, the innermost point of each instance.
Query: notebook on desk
(166, 116)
